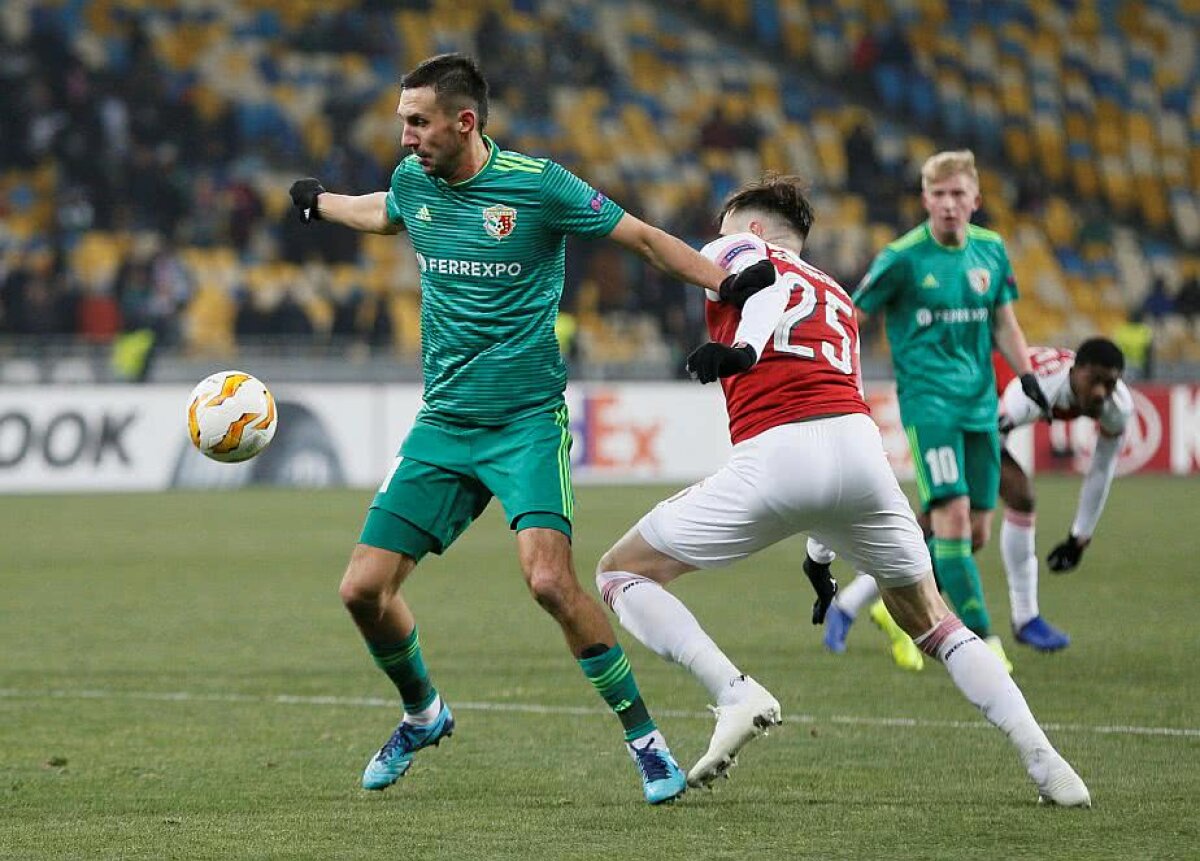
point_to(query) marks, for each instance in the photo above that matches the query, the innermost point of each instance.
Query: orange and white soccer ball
(231, 416)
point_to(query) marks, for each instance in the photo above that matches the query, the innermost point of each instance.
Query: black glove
(712, 360)
(825, 587)
(304, 197)
(1033, 391)
(736, 289)
(1005, 424)
(1066, 556)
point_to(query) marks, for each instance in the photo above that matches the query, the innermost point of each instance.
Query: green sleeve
(393, 196)
(573, 206)
(881, 282)
(1008, 282)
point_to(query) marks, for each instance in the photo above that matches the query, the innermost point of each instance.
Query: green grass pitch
(178, 680)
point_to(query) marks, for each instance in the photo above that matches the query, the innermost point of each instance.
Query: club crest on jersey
(499, 221)
(980, 280)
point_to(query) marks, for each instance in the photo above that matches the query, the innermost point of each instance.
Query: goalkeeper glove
(736, 289)
(824, 585)
(304, 197)
(1033, 391)
(712, 360)
(1066, 556)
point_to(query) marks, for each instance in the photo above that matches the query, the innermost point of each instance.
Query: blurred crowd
(146, 149)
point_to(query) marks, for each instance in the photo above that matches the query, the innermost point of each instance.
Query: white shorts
(827, 477)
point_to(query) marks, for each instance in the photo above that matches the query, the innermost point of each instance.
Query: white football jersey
(1053, 369)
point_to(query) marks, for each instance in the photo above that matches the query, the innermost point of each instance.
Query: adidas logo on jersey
(423, 214)
(930, 282)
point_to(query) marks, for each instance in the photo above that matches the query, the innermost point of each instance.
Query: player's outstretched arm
(1092, 496)
(676, 258)
(363, 212)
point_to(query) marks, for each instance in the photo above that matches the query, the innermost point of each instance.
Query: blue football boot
(396, 755)
(662, 778)
(1040, 634)
(837, 626)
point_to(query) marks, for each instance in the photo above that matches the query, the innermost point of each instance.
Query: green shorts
(952, 462)
(445, 475)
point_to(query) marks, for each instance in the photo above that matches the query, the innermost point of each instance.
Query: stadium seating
(1085, 119)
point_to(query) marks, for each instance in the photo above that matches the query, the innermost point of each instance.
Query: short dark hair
(1101, 352)
(782, 196)
(456, 81)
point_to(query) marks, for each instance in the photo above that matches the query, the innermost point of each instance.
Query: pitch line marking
(537, 708)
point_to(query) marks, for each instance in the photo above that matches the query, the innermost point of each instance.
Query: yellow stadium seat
(406, 322)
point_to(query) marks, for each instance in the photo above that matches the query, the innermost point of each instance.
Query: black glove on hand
(1033, 391)
(304, 197)
(736, 289)
(1066, 556)
(712, 360)
(825, 587)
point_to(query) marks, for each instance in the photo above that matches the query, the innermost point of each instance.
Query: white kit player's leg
(664, 625)
(859, 594)
(982, 678)
(744, 709)
(1017, 549)
(714, 523)
(885, 540)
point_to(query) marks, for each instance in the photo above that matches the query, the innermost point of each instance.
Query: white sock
(1020, 564)
(858, 594)
(662, 623)
(819, 553)
(427, 715)
(654, 738)
(978, 673)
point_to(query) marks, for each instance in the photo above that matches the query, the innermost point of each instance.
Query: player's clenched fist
(304, 197)
(712, 360)
(1065, 557)
(736, 289)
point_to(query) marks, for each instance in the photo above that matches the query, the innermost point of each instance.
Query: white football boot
(1056, 781)
(749, 713)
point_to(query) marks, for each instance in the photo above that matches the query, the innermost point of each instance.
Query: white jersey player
(806, 457)
(1084, 383)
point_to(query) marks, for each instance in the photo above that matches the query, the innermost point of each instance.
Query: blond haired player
(946, 290)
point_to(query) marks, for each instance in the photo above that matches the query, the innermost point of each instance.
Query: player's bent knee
(552, 589)
(951, 518)
(1021, 501)
(916, 607)
(362, 596)
(607, 564)
(371, 577)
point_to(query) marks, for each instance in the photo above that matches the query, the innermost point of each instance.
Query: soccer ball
(231, 416)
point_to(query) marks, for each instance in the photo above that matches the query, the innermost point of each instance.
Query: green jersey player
(489, 227)
(946, 289)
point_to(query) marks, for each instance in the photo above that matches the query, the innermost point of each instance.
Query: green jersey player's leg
(943, 484)
(421, 507)
(527, 465)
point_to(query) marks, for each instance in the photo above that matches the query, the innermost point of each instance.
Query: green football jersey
(491, 250)
(940, 307)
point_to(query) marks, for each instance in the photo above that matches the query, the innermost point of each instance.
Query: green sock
(610, 674)
(406, 668)
(959, 578)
